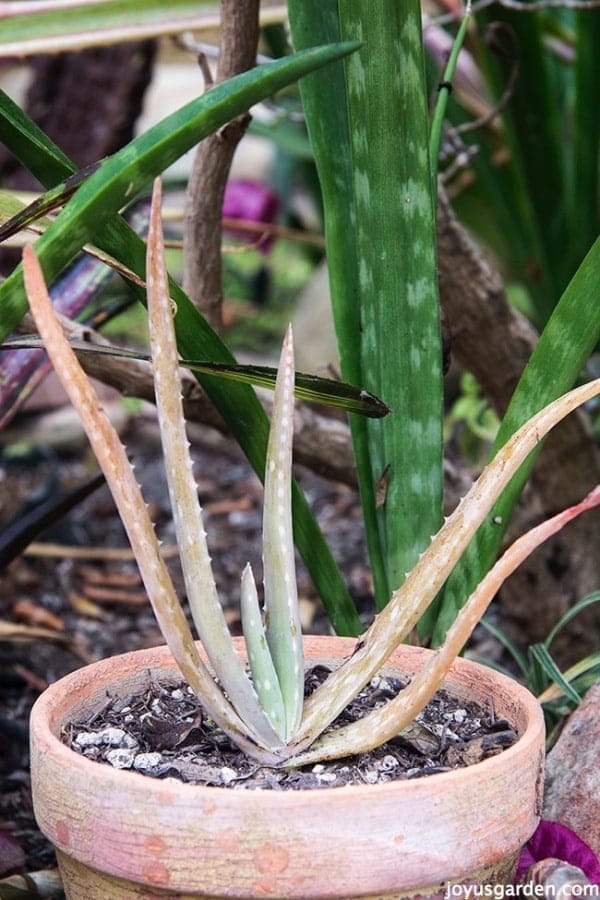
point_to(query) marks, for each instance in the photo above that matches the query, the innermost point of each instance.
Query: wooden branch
(322, 444)
(489, 337)
(202, 280)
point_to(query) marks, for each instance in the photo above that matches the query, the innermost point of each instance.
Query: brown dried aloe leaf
(117, 469)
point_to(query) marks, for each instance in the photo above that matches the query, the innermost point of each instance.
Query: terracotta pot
(120, 834)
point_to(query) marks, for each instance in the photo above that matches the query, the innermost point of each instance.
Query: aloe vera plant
(265, 714)
(385, 300)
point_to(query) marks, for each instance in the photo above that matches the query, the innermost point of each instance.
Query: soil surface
(163, 732)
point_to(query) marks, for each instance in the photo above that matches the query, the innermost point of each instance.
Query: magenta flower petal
(551, 839)
(250, 201)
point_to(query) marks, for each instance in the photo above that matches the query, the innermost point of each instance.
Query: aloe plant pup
(267, 720)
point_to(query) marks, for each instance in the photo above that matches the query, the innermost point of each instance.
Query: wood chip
(115, 596)
(33, 614)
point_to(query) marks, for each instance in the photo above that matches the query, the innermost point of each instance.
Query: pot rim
(48, 708)
(187, 837)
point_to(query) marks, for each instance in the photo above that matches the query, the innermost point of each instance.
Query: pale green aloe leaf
(382, 724)
(187, 514)
(282, 616)
(112, 458)
(264, 676)
(424, 581)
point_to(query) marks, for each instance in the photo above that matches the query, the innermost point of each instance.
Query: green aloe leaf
(371, 153)
(123, 175)
(30, 145)
(401, 342)
(329, 130)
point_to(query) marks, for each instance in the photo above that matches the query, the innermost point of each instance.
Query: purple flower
(250, 201)
(551, 839)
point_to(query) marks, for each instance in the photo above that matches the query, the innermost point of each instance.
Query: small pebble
(109, 737)
(327, 778)
(117, 737)
(145, 761)
(88, 739)
(121, 758)
(387, 764)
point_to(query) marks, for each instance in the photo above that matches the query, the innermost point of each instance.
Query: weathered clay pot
(120, 834)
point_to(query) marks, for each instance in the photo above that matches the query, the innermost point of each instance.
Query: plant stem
(202, 271)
